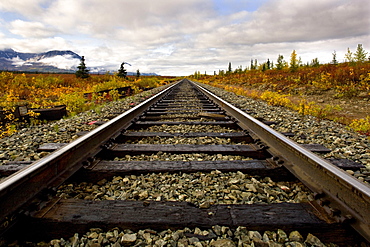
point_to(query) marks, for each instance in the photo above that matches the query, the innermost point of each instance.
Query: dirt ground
(351, 108)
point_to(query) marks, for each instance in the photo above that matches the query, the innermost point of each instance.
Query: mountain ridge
(54, 61)
(10, 53)
(12, 60)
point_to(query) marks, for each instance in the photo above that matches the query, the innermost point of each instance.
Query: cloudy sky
(178, 37)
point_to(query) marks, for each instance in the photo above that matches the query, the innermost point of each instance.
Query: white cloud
(179, 37)
(61, 62)
(17, 61)
(35, 45)
(294, 21)
(30, 29)
(96, 17)
(28, 8)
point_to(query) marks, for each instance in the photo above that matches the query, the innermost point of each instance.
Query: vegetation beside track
(304, 89)
(48, 90)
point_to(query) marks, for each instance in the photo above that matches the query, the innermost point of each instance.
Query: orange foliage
(48, 90)
(275, 86)
(342, 77)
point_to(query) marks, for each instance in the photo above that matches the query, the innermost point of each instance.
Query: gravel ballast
(22, 146)
(218, 236)
(200, 189)
(344, 143)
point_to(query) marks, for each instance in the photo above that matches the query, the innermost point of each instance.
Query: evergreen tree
(229, 70)
(360, 55)
(264, 67)
(334, 61)
(280, 62)
(137, 73)
(252, 65)
(82, 71)
(268, 64)
(122, 71)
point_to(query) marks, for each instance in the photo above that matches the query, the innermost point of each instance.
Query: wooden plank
(318, 148)
(50, 147)
(81, 133)
(54, 113)
(18, 163)
(107, 169)
(211, 115)
(161, 117)
(120, 150)
(188, 105)
(69, 216)
(11, 167)
(234, 136)
(201, 99)
(178, 214)
(288, 134)
(146, 124)
(346, 164)
(156, 118)
(267, 122)
(211, 108)
(151, 113)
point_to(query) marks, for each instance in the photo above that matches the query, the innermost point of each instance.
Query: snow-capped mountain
(51, 61)
(46, 62)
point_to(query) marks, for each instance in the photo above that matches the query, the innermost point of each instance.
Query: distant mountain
(47, 62)
(143, 74)
(51, 61)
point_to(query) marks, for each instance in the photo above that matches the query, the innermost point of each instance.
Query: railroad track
(168, 144)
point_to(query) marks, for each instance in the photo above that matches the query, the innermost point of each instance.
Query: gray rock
(295, 236)
(74, 240)
(217, 230)
(313, 241)
(222, 243)
(281, 236)
(128, 239)
(254, 235)
(295, 244)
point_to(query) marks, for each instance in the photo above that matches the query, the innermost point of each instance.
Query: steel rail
(342, 191)
(50, 171)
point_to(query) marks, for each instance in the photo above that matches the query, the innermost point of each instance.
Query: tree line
(83, 72)
(360, 56)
